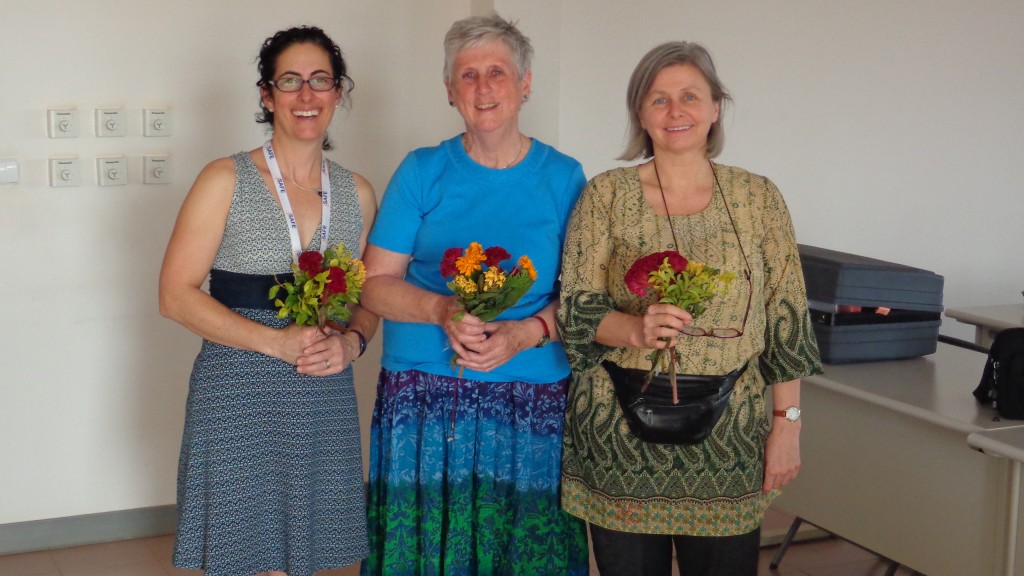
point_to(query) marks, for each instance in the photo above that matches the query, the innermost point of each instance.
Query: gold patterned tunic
(613, 479)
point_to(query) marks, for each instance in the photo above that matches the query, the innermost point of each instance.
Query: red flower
(495, 254)
(335, 281)
(448, 262)
(675, 259)
(310, 262)
(638, 277)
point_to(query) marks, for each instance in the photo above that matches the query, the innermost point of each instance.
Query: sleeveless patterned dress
(270, 475)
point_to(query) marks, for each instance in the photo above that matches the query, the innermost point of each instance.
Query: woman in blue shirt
(465, 460)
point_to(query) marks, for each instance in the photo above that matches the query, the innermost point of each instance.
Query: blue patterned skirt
(464, 479)
(270, 475)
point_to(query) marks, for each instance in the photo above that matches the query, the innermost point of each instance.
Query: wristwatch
(546, 338)
(792, 413)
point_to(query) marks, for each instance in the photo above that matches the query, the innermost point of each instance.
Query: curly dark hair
(273, 47)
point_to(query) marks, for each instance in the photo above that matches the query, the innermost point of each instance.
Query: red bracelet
(546, 338)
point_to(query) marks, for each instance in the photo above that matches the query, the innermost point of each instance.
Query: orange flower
(526, 265)
(471, 261)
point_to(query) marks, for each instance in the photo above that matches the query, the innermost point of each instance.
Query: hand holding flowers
(482, 287)
(680, 282)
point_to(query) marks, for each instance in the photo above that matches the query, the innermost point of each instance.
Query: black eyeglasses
(294, 83)
(692, 330)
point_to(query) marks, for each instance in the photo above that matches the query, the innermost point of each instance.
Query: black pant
(627, 554)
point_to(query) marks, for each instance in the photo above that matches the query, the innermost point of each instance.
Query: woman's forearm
(620, 330)
(393, 298)
(196, 310)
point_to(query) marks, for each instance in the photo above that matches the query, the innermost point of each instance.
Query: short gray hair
(477, 30)
(639, 145)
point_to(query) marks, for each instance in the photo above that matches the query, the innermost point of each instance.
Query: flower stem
(668, 365)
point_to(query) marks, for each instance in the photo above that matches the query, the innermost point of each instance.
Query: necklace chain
(465, 144)
(725, 204)
(319, 191)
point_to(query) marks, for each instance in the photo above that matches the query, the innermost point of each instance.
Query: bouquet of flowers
(680, 282)
(481, 286)
(323, 286)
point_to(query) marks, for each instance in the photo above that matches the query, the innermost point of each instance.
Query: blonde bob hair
(639, 145)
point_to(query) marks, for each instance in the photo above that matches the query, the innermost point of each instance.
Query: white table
(989, 320)
(886, 463)
(1007, 443)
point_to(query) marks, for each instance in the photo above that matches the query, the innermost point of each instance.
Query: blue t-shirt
(439, 198)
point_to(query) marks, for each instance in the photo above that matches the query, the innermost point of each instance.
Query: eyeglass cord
(728, 212)
(725, 203)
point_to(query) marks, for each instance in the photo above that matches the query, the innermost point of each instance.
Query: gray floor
(151, 557)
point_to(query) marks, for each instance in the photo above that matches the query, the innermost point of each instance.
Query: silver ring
(328, 363)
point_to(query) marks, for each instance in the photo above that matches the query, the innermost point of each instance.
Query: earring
(451, 103)
(526, 97)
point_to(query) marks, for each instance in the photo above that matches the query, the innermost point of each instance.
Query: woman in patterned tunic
(706, 499)
(464, 463)
(270, 475)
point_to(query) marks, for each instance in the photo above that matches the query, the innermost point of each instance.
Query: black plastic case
(864, 309)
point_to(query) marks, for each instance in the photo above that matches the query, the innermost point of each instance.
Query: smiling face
(305, 114)
(678, 111)
(486, 88)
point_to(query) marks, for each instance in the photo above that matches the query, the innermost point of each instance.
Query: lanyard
(286, 206)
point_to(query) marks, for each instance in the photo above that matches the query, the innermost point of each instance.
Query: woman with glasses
(465, 455)
(707, 498)
(270, 477)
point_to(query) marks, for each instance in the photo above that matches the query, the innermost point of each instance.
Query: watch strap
(785, 413)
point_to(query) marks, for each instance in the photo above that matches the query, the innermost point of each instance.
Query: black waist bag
(1002, 382)
(652, 416)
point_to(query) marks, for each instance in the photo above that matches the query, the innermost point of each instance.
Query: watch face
(792, 413)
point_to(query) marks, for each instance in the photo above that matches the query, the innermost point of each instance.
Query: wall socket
(156, 169)
(112, 171)
(156, 122)
(62, 123)
(65, 172)
(110, 122)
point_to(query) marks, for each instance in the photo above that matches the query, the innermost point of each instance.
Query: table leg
(790, 535)
(1011, 530)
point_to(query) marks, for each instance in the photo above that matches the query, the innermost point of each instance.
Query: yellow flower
(494, 278)
(694, 268)
(357, 272)
(526, 265)
(471, 260)
(464, 285)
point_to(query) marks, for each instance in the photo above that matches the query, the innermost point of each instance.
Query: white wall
(892, 129)
(92, 379)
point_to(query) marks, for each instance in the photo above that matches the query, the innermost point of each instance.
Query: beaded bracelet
(362, 341)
